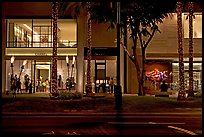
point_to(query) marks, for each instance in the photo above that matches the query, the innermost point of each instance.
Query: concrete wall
(166, 41)
(101, 37)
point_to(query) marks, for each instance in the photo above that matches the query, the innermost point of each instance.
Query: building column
(80, 69)
(3, 47)
(81, 42)
(122, 68)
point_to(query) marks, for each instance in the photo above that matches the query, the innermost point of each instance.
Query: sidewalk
(40, 104)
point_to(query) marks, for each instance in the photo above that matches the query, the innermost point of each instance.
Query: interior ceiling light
(29, 28)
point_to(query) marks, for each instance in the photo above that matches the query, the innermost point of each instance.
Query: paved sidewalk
(132, 104)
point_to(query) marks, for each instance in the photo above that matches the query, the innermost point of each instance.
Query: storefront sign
(40, 54)
(101, 51)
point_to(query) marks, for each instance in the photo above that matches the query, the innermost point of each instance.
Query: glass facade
(38, 33)
(101, 72)
(29, 33)
(40, 71)
(197, 76)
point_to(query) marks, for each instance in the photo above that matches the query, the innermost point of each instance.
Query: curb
(92, 113)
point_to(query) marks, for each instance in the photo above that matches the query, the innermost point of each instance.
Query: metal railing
(39, 44)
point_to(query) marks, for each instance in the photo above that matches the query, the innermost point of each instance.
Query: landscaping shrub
(77, 95)
(63, 94)
(67, 95)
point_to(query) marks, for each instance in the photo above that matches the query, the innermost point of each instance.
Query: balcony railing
(39, 44)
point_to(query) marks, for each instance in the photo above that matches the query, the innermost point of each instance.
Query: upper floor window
(39, 33)
(197, 26)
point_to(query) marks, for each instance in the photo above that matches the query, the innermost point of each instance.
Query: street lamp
(12, 60)
(72, 65)
(67, 60)
(118, 94)
(22, 67)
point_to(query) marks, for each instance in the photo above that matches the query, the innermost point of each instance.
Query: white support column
(81, 41)
(122, 69)
(80, 68)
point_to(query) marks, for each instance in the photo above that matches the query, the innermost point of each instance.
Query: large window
(38, 33)
(197, 26)
(197, 75)
(104, 69)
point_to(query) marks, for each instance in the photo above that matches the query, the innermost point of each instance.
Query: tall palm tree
(190, 90)
(54, 53)
(89, 85)
(181, 94)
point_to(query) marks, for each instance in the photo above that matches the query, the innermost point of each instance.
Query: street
(103, 124)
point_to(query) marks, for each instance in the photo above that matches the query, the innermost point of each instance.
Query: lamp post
(72, 65)
(22, 67)
(67, 60)
(118, 92)
(12, 61)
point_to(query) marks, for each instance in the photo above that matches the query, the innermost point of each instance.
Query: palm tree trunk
(89, 85)
(190, 90)
(54, 53)
(181, 94)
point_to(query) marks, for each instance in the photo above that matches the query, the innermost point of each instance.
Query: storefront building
(27, 35)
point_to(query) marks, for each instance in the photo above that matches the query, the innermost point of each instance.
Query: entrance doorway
(100, 77)
(42, 76)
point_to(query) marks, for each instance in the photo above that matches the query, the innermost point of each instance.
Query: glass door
(100, 76)
(42, 76)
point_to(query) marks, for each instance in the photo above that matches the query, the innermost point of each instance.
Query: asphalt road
(103, 124)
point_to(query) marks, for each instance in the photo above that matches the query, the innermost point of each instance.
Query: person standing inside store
(27, 85)
(30, 87)
(18, 85)
(38, 85)
(15, 78)
(59, 81)
(164, 87)
(13, 88)
(111, 85)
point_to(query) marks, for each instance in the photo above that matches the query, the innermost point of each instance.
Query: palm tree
(190, 91)
(181, 94)
(54, 53)
(89, 85)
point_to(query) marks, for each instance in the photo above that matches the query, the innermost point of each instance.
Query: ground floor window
(168, 71)
(103, 75)
(197, 75)
(38, 73)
